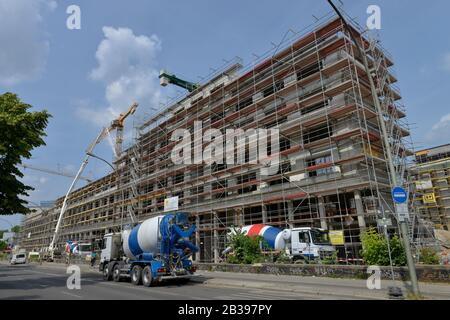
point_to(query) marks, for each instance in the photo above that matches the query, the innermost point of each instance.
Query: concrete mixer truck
(299, 243)
(155, 250)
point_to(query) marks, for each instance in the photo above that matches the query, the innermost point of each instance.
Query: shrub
(333, 259)
(3, 245)
(246, 250)
(375, 249)
(429, 256)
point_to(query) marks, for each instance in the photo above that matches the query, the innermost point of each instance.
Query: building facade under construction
(333, 170)
(431, 177)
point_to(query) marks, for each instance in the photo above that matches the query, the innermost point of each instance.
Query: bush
(3, 245)
(375, 249)
(333, 259)
(283, 257)
(429, 256)
(246, 250)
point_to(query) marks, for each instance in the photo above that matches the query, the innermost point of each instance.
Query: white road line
(223, 298)
(245, 296)
(48, 274)
(71, 294)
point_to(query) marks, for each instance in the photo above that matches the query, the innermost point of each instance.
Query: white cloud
(24, 44)
(127, 67)
(447, 61)
(440, 131)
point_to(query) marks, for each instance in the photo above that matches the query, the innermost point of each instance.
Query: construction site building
(431, 182)
(333, 172)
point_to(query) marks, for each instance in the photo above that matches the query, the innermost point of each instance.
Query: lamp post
(105, 161)
(133, 219)
(393, 174)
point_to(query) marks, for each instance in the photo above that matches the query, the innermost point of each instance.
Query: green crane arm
(167, 78)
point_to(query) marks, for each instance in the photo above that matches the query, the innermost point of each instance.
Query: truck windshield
(320, 237)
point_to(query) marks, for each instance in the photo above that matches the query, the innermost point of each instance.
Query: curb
(273, 287)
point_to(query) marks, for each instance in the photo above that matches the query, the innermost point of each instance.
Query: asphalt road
(49, 282)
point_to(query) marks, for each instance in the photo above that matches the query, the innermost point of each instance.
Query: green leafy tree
(398, 254)
(20, 132)
(15, 229)
(245, 249)
(3, 245)
(375, 249)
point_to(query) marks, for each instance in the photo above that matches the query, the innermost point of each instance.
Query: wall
(424, 273)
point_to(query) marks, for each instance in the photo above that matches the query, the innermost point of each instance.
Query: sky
(84, 77)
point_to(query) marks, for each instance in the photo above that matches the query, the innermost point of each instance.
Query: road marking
(48, 274)
(71, 294)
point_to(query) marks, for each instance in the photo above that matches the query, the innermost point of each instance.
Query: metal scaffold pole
(393, 174)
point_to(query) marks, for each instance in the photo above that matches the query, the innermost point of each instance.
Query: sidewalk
(316, 285)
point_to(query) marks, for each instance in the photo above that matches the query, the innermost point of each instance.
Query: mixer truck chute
(155, 250)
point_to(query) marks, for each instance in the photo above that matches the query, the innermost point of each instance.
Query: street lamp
(393, 174)
(95, 156)
(133, 219)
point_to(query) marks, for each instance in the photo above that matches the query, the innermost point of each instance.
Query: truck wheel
(116, 273)
(147, 279)
(136, 275)
(106, 273)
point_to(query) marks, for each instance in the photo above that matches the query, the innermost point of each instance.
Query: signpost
(400, 197)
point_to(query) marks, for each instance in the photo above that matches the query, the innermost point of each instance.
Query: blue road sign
(399, 195)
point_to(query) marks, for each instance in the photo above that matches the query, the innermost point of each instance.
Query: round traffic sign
(399, 195)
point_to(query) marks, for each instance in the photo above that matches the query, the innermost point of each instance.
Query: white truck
(299, 243)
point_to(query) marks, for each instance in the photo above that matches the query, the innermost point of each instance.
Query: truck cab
(310, 243)
(111, 247)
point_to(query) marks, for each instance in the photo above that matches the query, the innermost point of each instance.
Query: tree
(20, 132)
(3, 245)
(15, 229)
(246, 250)
(375, 249)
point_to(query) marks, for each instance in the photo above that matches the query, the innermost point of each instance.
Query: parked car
(34, 256)
(19, 258)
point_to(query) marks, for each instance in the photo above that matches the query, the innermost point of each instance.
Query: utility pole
(393, 174)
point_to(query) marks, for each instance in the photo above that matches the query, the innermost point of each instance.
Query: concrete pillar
(359, 210)
(322, 214)
(290, 209)
(216, 237)
(197, 238)
(264, 213)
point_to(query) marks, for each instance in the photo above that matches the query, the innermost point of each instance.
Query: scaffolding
(333, 168)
